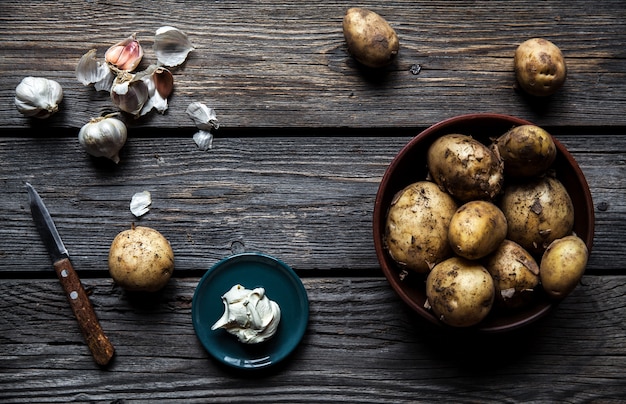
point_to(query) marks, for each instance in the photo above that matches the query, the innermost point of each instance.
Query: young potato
(370, 39)
(537, 212)
(515, 274)
(539, 67)
(141, 259)
(477, 229)
(563, 265)
(526, 151)
(416, 230)
(460, 292)
(466, 168)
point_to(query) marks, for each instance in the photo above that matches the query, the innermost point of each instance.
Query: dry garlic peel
(103, 137)
(140, 203)
(38, 97)
(91, 71)
(160, 83)
(204, 117)
(171, 46)
(204, 140)
(249, 315)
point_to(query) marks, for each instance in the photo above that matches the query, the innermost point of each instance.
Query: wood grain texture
(362, 345)
(308, 202)
(305, 137)
(272, 64)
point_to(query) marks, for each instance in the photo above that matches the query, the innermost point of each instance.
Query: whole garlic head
(103, 137)
(38, 97)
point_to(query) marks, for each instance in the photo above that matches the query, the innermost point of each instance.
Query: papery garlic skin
(91, 71)
(160, 83)
(204, 117)
(38, 97)
(204, 140)
(103, 137)
(125, 55)
(171, 46)
(249, 315)
(140, 203)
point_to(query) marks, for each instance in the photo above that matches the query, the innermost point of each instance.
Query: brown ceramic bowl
(410, 166)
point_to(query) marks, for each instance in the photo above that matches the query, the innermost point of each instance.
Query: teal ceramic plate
(251, 270)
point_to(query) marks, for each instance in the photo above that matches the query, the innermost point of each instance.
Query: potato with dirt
(476, 229)
(540, 68)
(563, 265)
(538, 212)
(416, 228)
(465, 168)
(526, 151)
(141, 259)
(460, 292)
(515, 274)
(369, 37)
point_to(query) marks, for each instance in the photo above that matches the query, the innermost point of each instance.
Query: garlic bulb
(171, 46)
(125, 55)
(103, 137)
(38, 97)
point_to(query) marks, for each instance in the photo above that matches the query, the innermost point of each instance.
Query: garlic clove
(140, 203)
(38, 97)
(129, 93)
(204, 140)
(125, 55)
(103, 137)
(204, 117)
(159, 82)
(171, 46)
(91, 71)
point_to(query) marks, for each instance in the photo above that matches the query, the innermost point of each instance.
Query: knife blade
(101, 348)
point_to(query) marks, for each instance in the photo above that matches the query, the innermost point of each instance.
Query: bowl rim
(391, 271)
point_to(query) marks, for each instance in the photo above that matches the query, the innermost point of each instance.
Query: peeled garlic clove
(38, 97)
(204, 140)
(129, 94)
(125, 55)
(91, 71)
(103, 137)
(140, 203)
(204, 117)
(171, 46)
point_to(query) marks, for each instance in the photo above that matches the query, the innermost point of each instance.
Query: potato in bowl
(410, 165)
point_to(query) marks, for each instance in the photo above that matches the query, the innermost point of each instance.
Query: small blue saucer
(251, 270)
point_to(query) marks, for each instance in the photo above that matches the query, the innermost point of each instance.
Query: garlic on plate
(171, 46)
(38, 97)
(103, 137)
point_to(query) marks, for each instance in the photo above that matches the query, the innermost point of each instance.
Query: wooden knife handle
(100, 346)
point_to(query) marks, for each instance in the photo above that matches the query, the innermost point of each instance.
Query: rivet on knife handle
(100, 346)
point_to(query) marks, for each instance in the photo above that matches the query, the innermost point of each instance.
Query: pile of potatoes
(490, 225)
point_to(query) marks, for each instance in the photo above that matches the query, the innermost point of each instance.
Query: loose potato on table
(562, 266)
(465, 168)
(370, 39)
(538, 212)
(515, 274)
(539, 67)
(526, 151)
(460, 292)
(477, 229)
(416, 229)
(141, 259)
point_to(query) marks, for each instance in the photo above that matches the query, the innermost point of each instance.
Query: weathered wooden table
(305, 137)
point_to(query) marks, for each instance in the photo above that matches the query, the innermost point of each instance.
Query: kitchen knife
(100, 346)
